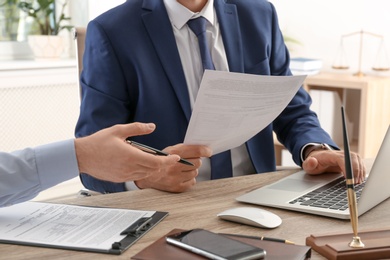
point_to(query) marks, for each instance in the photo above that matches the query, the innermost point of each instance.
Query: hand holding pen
(154, 151)
(179, 177)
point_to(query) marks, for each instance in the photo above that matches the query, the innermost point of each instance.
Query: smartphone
(215, 246)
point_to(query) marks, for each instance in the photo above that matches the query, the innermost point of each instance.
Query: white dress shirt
(25, 173)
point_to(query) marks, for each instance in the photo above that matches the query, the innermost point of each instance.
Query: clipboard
(137, 230)
(72, 227)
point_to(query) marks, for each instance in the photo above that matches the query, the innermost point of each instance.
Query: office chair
(79, 38)
(79, 34)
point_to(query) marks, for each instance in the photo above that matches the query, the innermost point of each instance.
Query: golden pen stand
(335, 246)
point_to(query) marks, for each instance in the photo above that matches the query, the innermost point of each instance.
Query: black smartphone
(215, 246)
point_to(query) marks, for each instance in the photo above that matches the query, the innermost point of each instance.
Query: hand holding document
(232, 107)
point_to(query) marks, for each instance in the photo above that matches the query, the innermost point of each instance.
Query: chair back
(79, 37)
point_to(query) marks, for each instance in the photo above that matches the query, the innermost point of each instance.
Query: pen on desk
(261, 238)
(154, 151)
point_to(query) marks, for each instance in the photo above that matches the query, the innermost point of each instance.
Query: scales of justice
(381, 62)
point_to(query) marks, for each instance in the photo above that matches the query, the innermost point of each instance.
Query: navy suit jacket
(132, 72)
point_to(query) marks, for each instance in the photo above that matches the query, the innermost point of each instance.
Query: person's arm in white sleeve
(25, 173)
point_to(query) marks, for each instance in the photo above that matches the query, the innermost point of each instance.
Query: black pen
(261, 238)
(154, 151)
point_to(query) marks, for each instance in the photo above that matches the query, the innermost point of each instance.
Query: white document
(66, 226)
(232, 107)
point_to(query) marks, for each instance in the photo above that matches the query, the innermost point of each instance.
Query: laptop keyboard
(331, 196)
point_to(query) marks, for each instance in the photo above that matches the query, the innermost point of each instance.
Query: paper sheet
(66, 225)
(233, 107)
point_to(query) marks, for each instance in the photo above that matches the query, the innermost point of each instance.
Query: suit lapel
(159, 28)
(230, 30)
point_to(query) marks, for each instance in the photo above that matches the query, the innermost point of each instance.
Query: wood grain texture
(198, 208)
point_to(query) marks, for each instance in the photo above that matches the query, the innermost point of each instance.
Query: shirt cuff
(130, 185)
(56, 163)
(324, 146)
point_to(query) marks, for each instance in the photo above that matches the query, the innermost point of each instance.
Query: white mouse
(252, 216)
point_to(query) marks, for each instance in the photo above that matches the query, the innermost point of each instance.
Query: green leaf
(43, 12)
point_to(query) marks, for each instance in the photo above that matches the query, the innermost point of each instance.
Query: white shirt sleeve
(25, 173)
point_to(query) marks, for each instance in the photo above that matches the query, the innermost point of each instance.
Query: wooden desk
(198, 208)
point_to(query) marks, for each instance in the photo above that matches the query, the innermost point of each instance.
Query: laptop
(311, 194)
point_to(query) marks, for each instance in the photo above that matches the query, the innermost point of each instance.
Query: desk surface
(198, 208)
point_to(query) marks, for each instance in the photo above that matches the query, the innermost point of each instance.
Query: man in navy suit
(142, 64)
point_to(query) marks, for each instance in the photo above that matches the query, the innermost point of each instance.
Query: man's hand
(178, 177)
(321, 161)
(106, 156)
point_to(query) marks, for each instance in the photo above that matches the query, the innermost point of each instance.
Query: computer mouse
(252, 216)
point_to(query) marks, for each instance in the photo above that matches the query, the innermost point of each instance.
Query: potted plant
(13, 44)
(9, 19)
(44, 39)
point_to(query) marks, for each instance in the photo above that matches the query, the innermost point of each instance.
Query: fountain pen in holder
(352, 203)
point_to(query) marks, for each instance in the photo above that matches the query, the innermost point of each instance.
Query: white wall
(83, 11)
(319, 25)
(97, 7)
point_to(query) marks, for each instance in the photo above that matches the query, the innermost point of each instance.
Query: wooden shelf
(366, 102)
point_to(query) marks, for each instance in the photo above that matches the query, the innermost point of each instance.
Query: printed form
(233, 107)
(65, 225)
